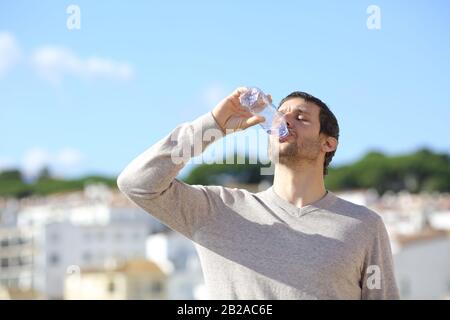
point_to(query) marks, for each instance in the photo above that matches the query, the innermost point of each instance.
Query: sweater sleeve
(378, 278)
(150, 179)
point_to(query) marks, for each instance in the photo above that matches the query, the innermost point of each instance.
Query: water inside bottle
(258, 103)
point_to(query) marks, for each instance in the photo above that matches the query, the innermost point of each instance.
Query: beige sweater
(257, 245)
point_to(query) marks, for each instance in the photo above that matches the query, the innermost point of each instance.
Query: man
(295, 240)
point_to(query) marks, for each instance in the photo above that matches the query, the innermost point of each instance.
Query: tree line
(421, 171)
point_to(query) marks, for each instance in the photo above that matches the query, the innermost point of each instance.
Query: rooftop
(135, 266)
(422, 236)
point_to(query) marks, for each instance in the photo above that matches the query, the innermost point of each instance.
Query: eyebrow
(297, 108)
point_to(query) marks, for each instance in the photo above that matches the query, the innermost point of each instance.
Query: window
(4, 243)
(156, 287)
(4, 262)
(53, 259)
(111, 286)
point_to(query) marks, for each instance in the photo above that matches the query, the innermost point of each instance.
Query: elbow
(132, 186)
(124, 183)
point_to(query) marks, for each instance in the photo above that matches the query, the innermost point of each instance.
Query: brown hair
(328, 122)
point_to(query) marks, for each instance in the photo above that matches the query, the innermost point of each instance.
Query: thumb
(253, 121)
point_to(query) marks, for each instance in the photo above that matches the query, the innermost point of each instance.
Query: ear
(329, 144)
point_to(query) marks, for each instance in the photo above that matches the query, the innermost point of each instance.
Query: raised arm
(150, 179)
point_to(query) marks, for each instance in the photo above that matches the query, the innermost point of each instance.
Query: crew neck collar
(323, 203)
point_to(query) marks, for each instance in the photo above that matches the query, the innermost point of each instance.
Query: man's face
(304, 140)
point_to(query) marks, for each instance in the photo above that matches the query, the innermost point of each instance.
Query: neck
(299, 184)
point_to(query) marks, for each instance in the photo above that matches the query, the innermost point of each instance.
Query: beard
(291, 152)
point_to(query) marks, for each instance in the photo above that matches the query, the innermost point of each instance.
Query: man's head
(313, 131)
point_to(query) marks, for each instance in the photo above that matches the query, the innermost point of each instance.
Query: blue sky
(88, 101)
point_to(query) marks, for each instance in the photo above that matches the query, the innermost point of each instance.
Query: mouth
(284, 139)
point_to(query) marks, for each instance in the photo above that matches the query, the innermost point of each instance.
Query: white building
(57, 234)
(363, 197)
(440, 220)
(177, 256)
(135, 279)
(422, 267)
(16, 258)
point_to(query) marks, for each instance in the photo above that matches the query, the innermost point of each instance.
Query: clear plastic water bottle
(258, 104)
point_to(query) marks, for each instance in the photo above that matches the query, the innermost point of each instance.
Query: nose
(288, 123)
(289, 119)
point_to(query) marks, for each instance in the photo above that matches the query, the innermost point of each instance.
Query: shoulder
(368, 218)
(228, 195)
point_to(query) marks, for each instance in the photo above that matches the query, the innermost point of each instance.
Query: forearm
(152, 172)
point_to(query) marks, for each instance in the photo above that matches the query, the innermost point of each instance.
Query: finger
(245, 114)
(254, 120)
(269, 96)
(238, 107)
(237, 92)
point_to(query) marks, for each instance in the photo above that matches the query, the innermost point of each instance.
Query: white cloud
(64, 162)
(34, 160)
(9, 52)
(55, 63)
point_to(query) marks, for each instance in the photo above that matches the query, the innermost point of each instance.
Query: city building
(177, 256)
(51, 235)
(133, 280)
(422, 265)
